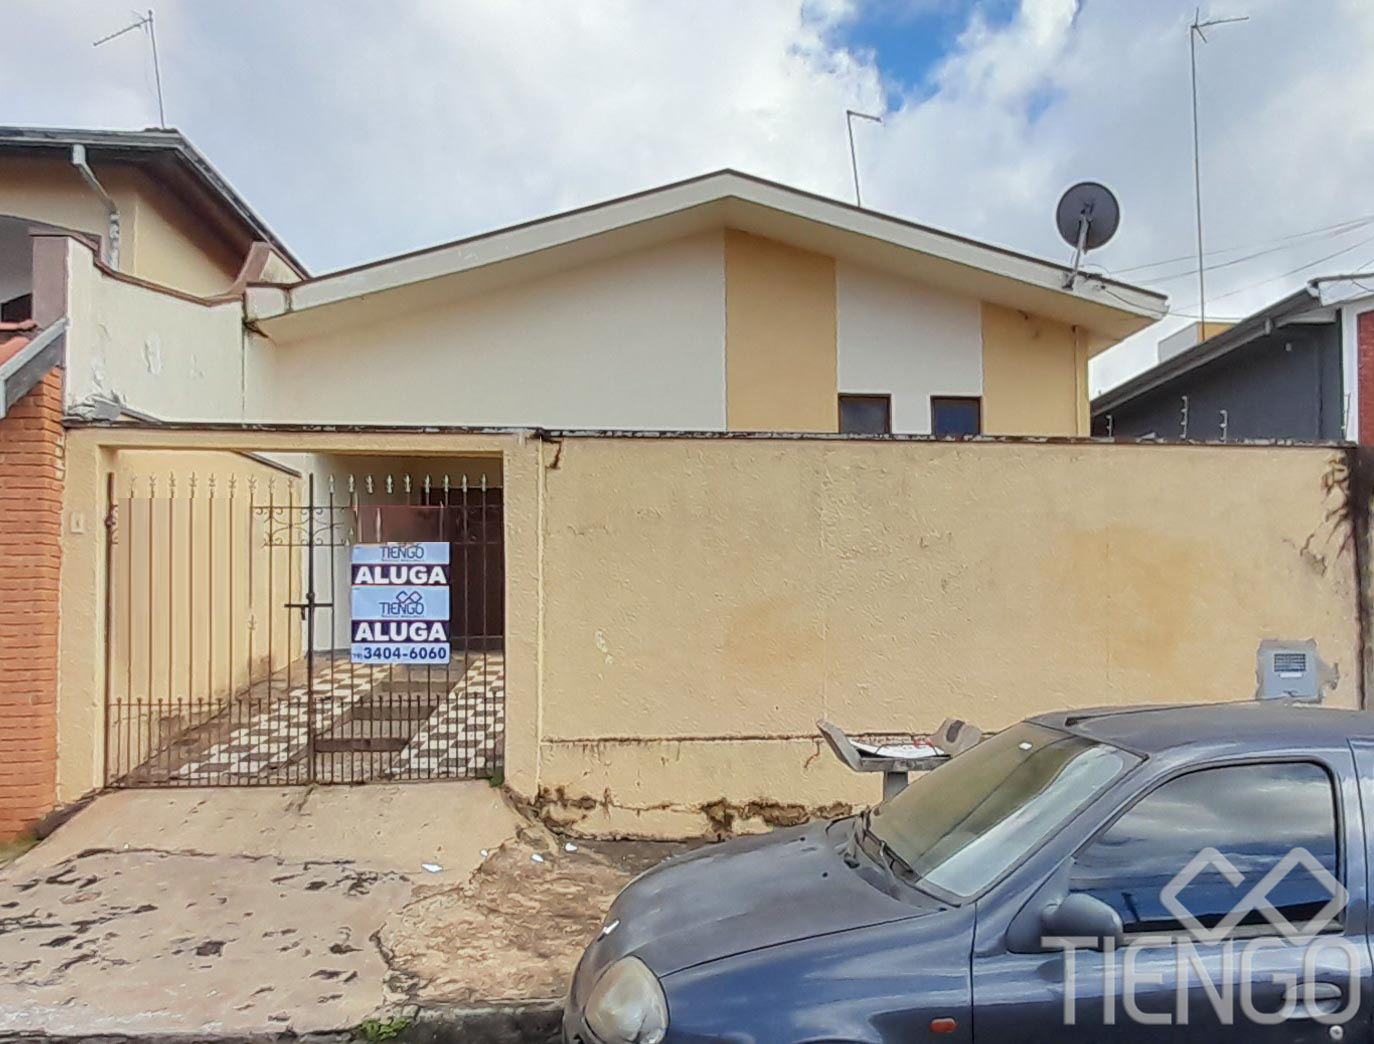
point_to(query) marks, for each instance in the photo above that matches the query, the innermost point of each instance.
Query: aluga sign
(400, 603)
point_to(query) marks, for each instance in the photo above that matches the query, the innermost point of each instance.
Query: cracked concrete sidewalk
(238, 912)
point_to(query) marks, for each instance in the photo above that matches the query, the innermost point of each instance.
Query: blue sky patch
(909, 38)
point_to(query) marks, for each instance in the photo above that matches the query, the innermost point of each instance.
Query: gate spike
(192, 484)
(406, 482)
(171, 485)
(352, 485)
(331, 485)
(152, 486)
(233, 484)
(370, 490)
(271, 485)
(252, 484)
(465, 483)
(446, 486)
(426, 487)
(210, 483)
(390, 486)
(484, 482)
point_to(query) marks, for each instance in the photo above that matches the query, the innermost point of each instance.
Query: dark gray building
(1277, 374)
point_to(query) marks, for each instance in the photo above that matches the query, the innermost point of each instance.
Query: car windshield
(963, 825)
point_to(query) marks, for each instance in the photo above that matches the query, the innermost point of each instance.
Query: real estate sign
(400, 603)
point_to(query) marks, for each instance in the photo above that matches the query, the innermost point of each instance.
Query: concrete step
(435, 684)
(373, 728)
(360, 745)
(396, 708)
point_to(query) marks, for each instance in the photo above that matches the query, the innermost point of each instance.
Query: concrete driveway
(274, 911)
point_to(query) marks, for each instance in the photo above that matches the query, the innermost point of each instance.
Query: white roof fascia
(544, 234)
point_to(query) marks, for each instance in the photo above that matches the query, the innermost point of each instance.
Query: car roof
(1253, 724)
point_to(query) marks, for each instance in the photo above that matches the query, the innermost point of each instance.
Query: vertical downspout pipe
(111, 252)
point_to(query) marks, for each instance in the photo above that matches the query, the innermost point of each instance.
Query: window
(17, 309)
(865, 414)
(965, 824)
(1254, 815)
(956, 415)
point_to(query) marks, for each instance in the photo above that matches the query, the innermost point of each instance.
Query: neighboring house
(151, 204)
(1294, 370)
(152, 214)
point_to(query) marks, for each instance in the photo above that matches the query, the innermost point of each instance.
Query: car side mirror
(1080, 916)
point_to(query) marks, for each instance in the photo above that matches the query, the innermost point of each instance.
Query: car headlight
(627, 1006)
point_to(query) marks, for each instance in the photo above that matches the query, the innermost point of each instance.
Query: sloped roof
(725, 197)
(165, 151)
(13, 337)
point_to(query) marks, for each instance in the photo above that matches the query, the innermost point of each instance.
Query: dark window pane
(956, 416)
(17, 309)
(1254, 815)
(865, 414)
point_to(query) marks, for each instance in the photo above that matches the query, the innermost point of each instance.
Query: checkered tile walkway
(462, 738)
(276, 729)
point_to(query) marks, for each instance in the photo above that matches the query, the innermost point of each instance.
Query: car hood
(746, 894)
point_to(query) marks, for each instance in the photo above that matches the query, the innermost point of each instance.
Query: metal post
(1195, 33)
(849, 115)
(308, 613)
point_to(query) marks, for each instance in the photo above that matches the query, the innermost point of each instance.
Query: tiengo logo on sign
(400, 603)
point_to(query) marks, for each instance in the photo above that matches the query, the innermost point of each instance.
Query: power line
(1339, 228)
(1290, 272)
(1246, 258)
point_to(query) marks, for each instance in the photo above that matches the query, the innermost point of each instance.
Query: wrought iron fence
(227, 657)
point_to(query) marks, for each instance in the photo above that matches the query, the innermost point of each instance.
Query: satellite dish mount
(1087, 216)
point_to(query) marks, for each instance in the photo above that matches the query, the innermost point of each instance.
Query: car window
(963, 825)
(1255, 816)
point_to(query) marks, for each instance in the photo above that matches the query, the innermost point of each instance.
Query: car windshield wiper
(892, 861)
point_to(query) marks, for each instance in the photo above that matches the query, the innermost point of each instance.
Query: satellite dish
(1087, 216)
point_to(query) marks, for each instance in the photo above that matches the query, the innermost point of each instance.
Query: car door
(1209, 871)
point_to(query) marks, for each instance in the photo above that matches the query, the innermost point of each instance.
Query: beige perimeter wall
(704, 602)
(681, 611)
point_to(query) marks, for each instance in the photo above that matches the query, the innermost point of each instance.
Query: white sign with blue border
(400, 603)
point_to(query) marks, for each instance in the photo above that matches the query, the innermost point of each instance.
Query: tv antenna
(849, 115)
(1195, 33)
(144, 22)
(1087, 216)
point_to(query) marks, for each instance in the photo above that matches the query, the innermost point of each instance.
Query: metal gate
(227, 643)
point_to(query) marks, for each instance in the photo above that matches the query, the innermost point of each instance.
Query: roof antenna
(1195, 33)
(849, 115)
(144, 22)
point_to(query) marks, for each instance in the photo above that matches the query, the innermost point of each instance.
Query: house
(148, 211)
(151, 296)
(721, 303)
(1293, 370)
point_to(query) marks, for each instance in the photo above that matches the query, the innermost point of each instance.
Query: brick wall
(31, 472)
(1364, 340)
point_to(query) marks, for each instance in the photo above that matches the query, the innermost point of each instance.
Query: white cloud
(361, 128)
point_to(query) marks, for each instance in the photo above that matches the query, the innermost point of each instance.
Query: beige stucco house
(238, 392)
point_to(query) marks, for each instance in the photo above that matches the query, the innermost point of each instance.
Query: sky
(362, 128)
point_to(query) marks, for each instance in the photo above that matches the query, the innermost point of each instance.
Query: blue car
(1153, 873)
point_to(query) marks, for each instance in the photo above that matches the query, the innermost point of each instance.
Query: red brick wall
(1364, 340)
(31, 474)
